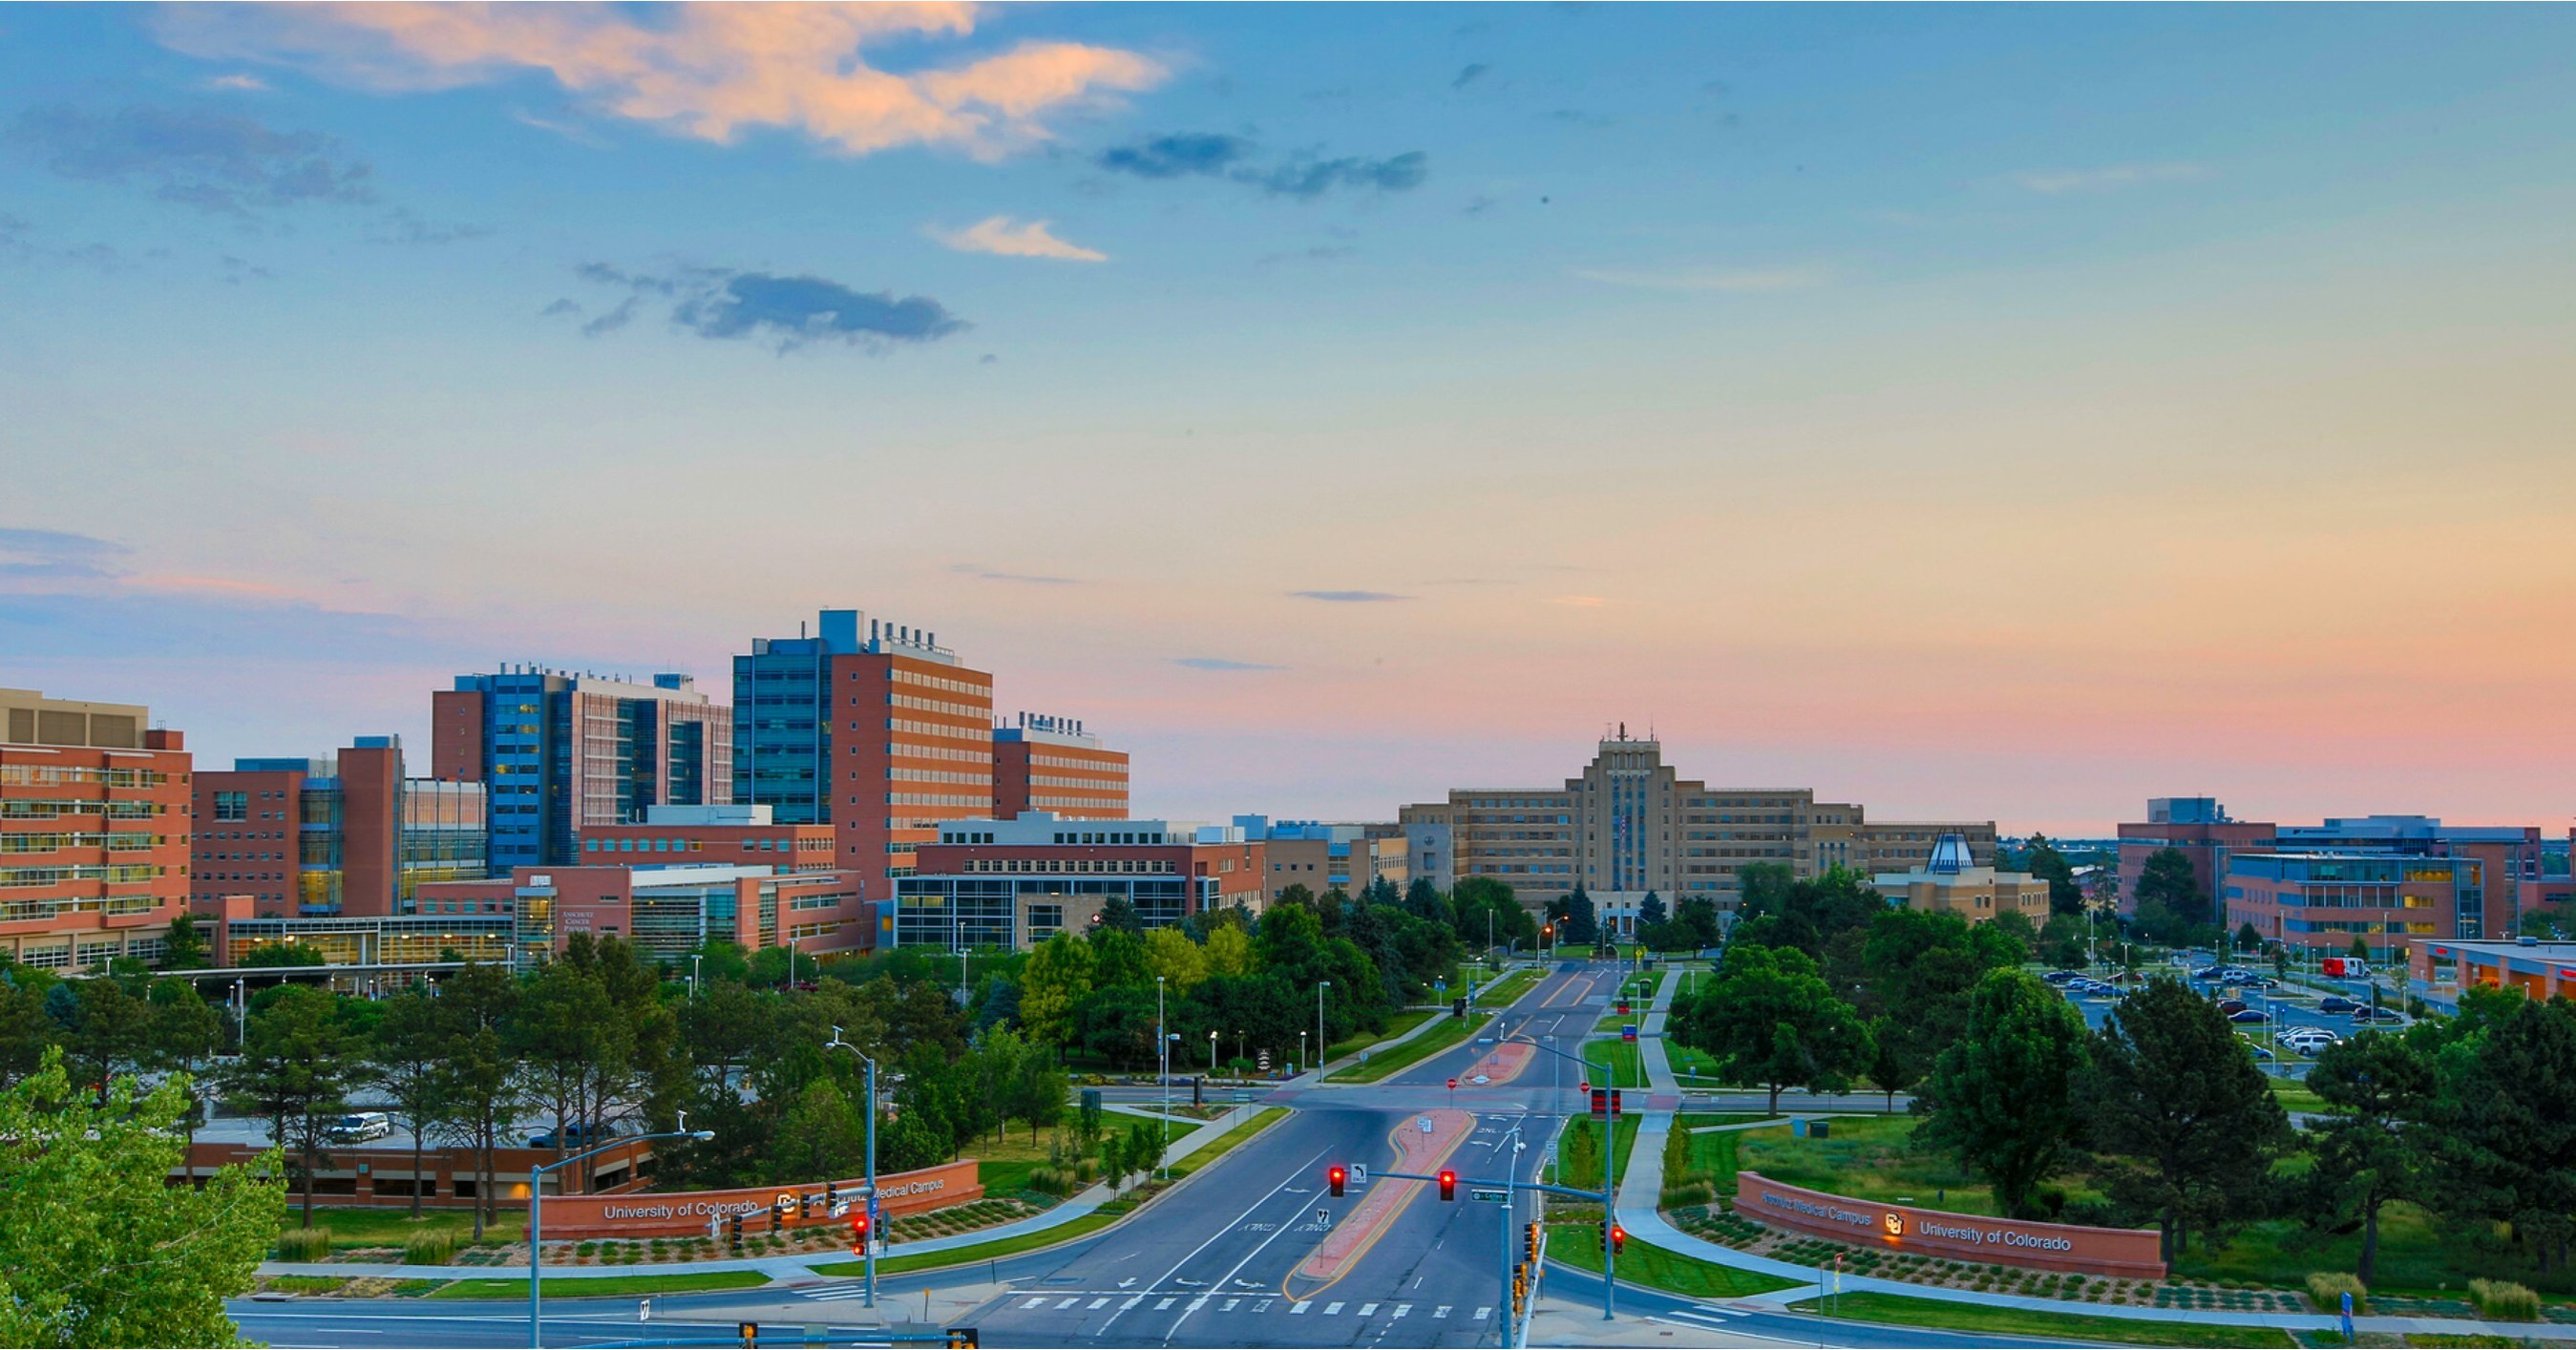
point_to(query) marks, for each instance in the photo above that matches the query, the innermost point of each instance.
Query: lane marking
(1302, 1305)
(1098, 1303)
(1034, 1303)
(1440, 1312)
(1368, 1310)
(1131, 1302)
(1482, 1313)
(1401, 1309)
(1167, 1302)
(1067, 1304)
(1332, 1310)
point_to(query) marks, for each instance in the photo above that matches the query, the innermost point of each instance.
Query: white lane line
(1296, 1173)
(1440, 1312)
(1368, 1310)
(1034, 1303)
(1197, 1303)
(1302, 1305)
(1098, 1303)
(1332, 1310)
(1167, 1303)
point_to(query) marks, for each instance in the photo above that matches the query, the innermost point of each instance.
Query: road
(1221, 1261)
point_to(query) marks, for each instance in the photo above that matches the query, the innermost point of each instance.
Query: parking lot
(2284, 1006)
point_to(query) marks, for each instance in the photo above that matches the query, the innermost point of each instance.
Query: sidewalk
(796, 1269)
(1641, 1188)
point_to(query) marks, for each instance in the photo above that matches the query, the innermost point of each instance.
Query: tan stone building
(1631, 824)
(1950, 880)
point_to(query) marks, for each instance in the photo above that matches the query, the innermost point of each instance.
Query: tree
(821, 1137)
(1229, 951)
(2371, 1146)
(25, 1029)
(2046, 863)
(96, 1247)
(569, 1044)
(2167, 883)
(185, 1033)
(1891, 1069)
(1699, 913)
(2509, 1128)
(2249, 938)
(103, 1030)
(2001, 1096)
(2177, 1098)
(1769, 1019)
(185, 947)
(1036, 1093)
(1424, 901)
(1918, 970)
(295, 1070)
(484, 1092)
(1651, 910)
(1581, 925)
(282, 955)
(410, 1061)
(1056, 979)
(1170, 954)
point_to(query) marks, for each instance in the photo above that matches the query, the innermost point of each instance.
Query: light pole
(694, 959)
(537, 1213)
(1163, 1048)
(1322, 1047)
(1211, 1054)
(870, 1256)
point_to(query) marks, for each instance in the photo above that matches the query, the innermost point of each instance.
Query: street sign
(1359, 1174)
(1498, 1197)
(1426, 1124)
(1628, 1032)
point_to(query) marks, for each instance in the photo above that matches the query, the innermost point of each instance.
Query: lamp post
(870, 1256)
(537, 1213)
(1610, 1150)
(1211, 1054)
(694, 959)
(1322, 1047)
(1163, 1048)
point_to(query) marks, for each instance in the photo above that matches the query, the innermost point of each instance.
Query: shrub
(304, 1244)
(2504, 1301)
(430, 1247)
(1700, 1192)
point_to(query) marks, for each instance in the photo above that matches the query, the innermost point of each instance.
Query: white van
(359, 1127)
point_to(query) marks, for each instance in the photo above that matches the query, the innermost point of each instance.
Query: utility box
(1811, 1129)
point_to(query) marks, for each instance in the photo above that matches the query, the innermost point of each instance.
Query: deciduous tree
(2001, 1096)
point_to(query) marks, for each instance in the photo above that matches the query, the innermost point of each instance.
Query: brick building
(347, 835)
(737, 833)
(666, 911)
(1013, 883)
(1053, 764)
(94, 831)
(560, 751)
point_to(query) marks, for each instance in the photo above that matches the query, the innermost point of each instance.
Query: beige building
(1631, 824)
(1323, 857)
(1951, 880)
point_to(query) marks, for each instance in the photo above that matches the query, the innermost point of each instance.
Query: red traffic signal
(859, 1234)
(1448, 1184)
(1334, 1176)
(1618, 1239)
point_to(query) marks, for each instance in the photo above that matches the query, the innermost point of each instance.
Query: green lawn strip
(607, 1286)
(1713, 1156)
(1396, 1025)
(1614, 1057)
(1867, 1159)
(1451, 1033)
(1898, 1310)
(1579, 1245)
(362, 1226)
(1502, 992)
(1219, 1146)
(1624, 1140)
(2293, 1095)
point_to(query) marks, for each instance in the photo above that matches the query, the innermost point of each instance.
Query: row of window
(941, 682)
(938, 705)
(1103, 866)
(55, 876)
(48, 774)
(41, 808)
(591, 844)
(49, 843)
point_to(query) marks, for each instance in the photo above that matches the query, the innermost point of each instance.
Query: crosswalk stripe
(1231, 1304)
(1131, 1302)
(1263, 1305)
(1368, 1310)
(1034, 1303)
(1067, 1304)
(1483, 1313)
(1401, 1309)
(1100, 1303)
(1198, 1303)
(1440, 1312)
(1167, 1303)
(1302, 1305)
(1332, 1310)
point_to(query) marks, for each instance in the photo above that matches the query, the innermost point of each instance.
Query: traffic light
(963, 1338)
(749, 1331)
(1334, 1176)
(1529, 1244)
(1601, 1101)
(1623, 1007)
(733, 1232)
(1448, 1184)
(831, 1196)
(1618, 1239)
(859, 1234)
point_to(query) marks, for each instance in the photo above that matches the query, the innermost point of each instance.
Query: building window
(232, 806)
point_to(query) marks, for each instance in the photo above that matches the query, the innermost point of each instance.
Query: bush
(2504, 1301)
(1700, 1192)
(430, 1247)
(304, 1244)
(2326, 1289)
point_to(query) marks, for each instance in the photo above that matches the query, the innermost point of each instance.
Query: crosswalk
(1700, 1316)
(1084, 1303)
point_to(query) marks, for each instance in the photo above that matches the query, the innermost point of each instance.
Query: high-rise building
(2520, 868)
(349, 835)
(1631, 824)
(559, 750)
(94, 831)
(1015, 883)
(869, 727)
(1052, 764)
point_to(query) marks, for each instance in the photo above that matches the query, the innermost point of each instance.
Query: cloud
(2055, 181)
(1320, 253)
(238, 84)
(1220, 663)
(56, 555)
(562, 306)
(1709, 278)
(1473, 72)
(1349, 597)
(578, 135)
(705, 71)
(1308, 179)
(783, 312)
(215, 162)
(1003, 235)
(1179, 155)
(400, 226)
(981, 573)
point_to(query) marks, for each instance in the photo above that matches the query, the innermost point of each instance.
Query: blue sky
(2007, 411)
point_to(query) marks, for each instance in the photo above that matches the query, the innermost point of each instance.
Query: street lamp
(1163, 1048)
(694, 959)
(1322, 1047)
(870, 1255)
(537, 1212)
(1211, 1054)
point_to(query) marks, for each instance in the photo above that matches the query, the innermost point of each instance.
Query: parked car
(2366, 1013)
(2249, 1016)
(2336, 1003)
(2059, 976)
(2261, 1055)
(576, 1135)
(2231, 1006)
(2205, 973)
(359, 1127)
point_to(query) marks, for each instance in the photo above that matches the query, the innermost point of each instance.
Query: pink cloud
(707, 71)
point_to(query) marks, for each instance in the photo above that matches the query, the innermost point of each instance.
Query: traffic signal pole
(1611, 1234)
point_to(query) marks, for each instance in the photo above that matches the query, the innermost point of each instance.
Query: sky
(1974, 412)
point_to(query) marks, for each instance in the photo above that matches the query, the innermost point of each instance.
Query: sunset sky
(1973, 412)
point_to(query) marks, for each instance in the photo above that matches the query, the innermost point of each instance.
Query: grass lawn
(1579, 1245)
(1451, 1033)
(2417, 1256)
(361, 1226)
(1624, 1142)
(1502, 992)
(1865, 1159)
(1923, 1312)
(1619, 1058)
(1713, 1155)
(1397, 1025)
(607, 1286)
(2294, 1096)
(1689, 1063)
(1221, 1145)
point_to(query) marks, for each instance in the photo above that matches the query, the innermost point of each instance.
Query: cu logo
(1895, 1224)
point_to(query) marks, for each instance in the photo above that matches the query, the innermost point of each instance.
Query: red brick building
(1053, 764)
(1016, 882)
(667, 910)
(348, 835)
(94, 831)
(673, 835)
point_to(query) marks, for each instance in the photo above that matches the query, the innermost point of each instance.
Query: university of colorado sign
(684, 1213)
(2129, 1253)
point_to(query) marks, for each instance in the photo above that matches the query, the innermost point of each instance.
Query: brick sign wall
(682, 1213)
(2129, 1253)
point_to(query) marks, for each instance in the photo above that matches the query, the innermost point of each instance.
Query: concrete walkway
(790, 1269)
(1641, 1188)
